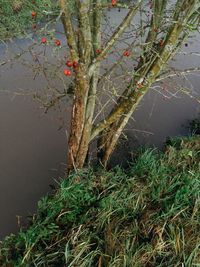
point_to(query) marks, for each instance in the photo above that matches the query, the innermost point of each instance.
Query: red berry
(34, 26)
(162, 42)
(43, 40)
(126, 54)
(33, 14)
(57, 42)
(33, 2)
(114, 2)
(75, 64)
(98, 51)
(67, 72)
(69, 63)
(155, 29)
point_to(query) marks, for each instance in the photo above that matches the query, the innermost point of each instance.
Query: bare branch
(68, 27)
(118, 32)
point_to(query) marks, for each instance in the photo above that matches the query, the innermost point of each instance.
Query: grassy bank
(22, 21)
(147, 215)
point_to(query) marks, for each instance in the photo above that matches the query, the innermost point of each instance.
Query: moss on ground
(147, 215)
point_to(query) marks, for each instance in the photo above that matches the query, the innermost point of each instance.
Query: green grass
(17, 22)
(16, 19)
(147, 215)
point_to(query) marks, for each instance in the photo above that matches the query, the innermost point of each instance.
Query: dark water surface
(33, 149)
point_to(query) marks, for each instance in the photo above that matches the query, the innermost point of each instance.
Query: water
(33, 144)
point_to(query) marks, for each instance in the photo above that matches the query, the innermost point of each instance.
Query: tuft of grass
(145, 216)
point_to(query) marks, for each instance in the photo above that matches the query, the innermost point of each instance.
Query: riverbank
(147, 215)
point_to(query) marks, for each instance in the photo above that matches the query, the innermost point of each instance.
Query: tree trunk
(86, 84)
(113, 126)
(109, 138)
(78, 122)
(81, 122)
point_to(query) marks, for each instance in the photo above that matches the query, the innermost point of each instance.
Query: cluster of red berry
(44, 41)
(70, 64)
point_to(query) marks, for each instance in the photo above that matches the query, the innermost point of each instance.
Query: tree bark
(85, 93)
(77, 121)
